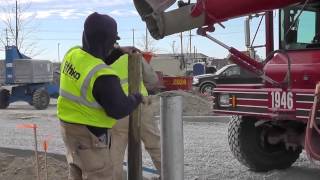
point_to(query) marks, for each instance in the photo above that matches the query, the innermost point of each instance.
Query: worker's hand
(129, 50)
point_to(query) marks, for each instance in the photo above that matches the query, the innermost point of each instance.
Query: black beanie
(98, 29)
(102, 25)
(100, 33)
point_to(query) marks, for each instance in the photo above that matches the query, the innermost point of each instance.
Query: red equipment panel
(177, 83)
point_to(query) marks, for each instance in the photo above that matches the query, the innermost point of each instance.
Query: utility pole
(7, 38)
(183, 65)
(146, 39)
(173, 48)
(58, 52)
(133, 37)
(190, 47)
(181, 44)
(16, 23)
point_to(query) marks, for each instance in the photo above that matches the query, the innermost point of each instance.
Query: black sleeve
(114, 55)
(108, 93)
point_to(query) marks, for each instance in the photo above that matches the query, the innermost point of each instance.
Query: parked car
(231, 73)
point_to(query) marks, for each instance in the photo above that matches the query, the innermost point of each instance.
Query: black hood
(99, 35)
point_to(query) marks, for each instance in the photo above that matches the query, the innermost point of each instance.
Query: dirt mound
(193, 105)
(20, 165)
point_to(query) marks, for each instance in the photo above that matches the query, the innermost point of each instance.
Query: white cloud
(73, 9)
(27, 15)
(123, 13)
(65, 13)
(4, 16)
(24, 1)
(44, 14)
(75, 3)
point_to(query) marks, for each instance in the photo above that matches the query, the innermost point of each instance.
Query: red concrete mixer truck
(274, 120)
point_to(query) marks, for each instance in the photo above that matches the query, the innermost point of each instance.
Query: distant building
(218, 63)
(176, 64)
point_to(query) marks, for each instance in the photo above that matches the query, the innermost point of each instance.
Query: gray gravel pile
(193, 105)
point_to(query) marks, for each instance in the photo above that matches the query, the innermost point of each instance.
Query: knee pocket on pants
(93, 159)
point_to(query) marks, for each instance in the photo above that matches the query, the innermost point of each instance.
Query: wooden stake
(34, 127)
(36, 151)
(134, 144)
(45, 147)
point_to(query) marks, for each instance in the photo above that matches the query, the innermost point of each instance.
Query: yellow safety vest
(76, 103)
(121, 67)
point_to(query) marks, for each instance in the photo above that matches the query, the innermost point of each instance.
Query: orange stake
(45, 148)
(34, 127)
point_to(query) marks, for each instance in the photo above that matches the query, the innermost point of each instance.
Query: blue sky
(59, 23)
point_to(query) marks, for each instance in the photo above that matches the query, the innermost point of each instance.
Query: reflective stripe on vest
(121, 67)
(84, 88)
(124, 81)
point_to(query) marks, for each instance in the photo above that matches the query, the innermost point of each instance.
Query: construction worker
(150, 133)
(91, 99)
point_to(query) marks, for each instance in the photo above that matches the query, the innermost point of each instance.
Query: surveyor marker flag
(147, 56)
(45, 142)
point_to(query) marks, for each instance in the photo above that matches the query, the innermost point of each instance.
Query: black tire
(206, 88)
(247, 145)
(40, 99)
(4, 98)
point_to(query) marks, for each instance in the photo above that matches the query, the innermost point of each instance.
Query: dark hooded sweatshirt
(99, 36)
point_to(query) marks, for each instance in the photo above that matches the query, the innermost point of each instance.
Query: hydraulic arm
(202, 13)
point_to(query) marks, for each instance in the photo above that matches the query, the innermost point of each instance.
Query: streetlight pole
(17, 24)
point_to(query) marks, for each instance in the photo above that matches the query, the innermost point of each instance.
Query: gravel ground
(207, 154)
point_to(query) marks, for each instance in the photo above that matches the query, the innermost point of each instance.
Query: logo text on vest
(69, 70)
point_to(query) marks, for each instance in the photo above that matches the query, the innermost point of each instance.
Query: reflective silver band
(86, 82)
(79, 100)
(124, 81)
(84, 88)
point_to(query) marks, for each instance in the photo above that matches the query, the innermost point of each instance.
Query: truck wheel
(207, 88)
(40, 99)
(249, 145)
(4, 98)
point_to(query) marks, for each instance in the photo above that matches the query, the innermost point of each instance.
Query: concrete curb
(220, 119)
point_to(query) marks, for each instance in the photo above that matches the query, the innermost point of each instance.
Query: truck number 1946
(282, 99)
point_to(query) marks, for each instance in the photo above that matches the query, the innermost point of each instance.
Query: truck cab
(268, 129)
(274, 120)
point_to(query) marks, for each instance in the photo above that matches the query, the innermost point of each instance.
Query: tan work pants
(150, 135)
(88, 158)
